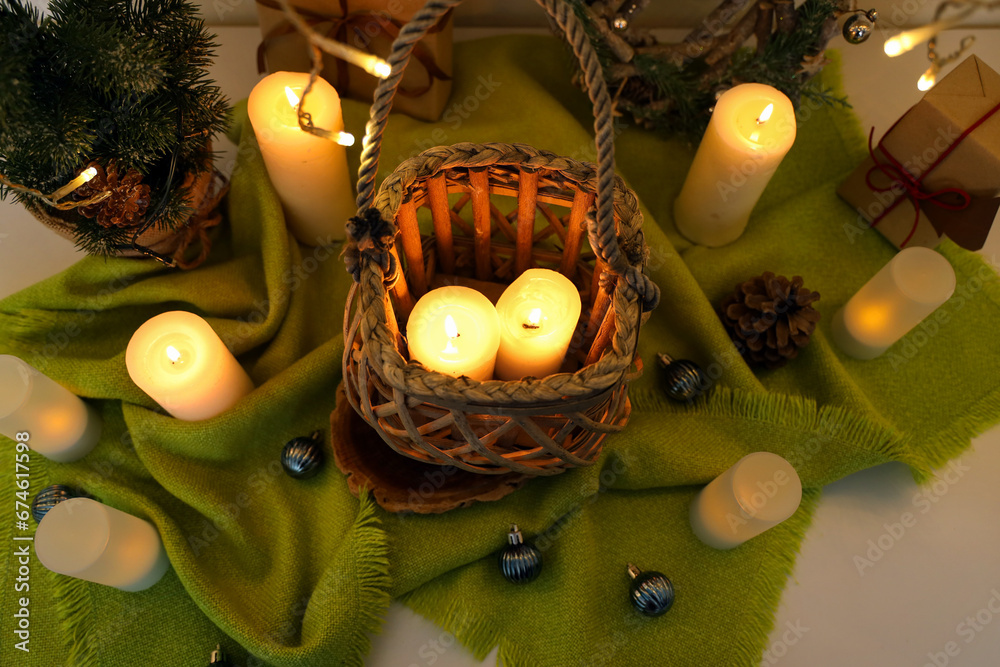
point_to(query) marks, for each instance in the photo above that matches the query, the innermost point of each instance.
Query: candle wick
(531, 325)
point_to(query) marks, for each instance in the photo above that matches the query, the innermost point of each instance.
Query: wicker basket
(534, 426)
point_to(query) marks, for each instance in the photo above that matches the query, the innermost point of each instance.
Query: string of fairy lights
(319, 44)
(958, 12)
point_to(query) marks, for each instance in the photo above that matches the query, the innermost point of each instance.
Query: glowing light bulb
(451, 331)
(173, 354)
(765, 114)
(293, 99)
(85, 177)
(928, 79)
(345, 139)
(381, 68)
(894, 47)
(906, 40)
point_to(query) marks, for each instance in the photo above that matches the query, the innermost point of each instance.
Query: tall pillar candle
(454, 330)
(539, 313)
(182, 364)
(905, 291)
(751, 130)
(46, 416)
(88, 540)
(757, 493)
(309, 173)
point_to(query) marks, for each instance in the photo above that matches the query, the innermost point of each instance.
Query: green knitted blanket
(286, 572)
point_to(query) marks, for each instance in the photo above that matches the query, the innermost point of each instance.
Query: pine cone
(769, 318)
(128, 201)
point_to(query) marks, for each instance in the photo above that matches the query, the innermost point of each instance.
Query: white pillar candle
(758, 492)
(906, 290)
(182, 364)
(454, 330)
(309, 173)
(88, 540)
(751, 130)
(43, 414)
(538, 315)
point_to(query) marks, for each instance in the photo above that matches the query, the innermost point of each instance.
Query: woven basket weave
(533, 426)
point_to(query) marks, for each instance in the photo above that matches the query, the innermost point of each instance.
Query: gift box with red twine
(936, 171)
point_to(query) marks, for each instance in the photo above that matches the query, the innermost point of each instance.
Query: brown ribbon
(339, 29)
(205, 218)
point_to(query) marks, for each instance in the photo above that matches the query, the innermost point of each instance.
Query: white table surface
(916, 604)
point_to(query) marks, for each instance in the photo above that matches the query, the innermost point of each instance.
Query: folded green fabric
(288, 572)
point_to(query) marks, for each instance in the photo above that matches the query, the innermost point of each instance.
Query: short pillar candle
(758, 492)
(539, 313)
(905, 291)
(309, 173)
(751, 130)
(88, 540)
(59, 425)
(180, 362)
(454, 330)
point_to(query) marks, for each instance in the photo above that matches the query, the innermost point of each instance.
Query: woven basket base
(401, 484)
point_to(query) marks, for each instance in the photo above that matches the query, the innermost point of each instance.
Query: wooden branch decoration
(762, 29)
(661, 88)
(784, 14)
(712, 25)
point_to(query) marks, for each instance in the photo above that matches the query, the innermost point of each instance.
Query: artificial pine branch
(119, 82)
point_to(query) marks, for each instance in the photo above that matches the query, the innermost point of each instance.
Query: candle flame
(293, 99)
(535, 316)
(173, 354)
(450, 330)
(765, 114)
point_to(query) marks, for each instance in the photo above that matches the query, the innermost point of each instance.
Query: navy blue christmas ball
(302, 457)
(650, 592)
(519, 562)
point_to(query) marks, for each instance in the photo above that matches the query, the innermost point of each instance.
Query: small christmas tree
(120, 85)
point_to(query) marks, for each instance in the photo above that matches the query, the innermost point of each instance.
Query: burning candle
(88, 540)
(757, 493)
(182, 364)
(309, 173)
(906, 290)
(44, 415)
(538, 314)
(751, 130)
(454, 330)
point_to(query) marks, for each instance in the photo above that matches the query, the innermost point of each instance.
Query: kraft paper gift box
(370, 25)
(936, 172)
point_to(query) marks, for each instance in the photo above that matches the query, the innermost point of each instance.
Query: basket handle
(602, 233)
